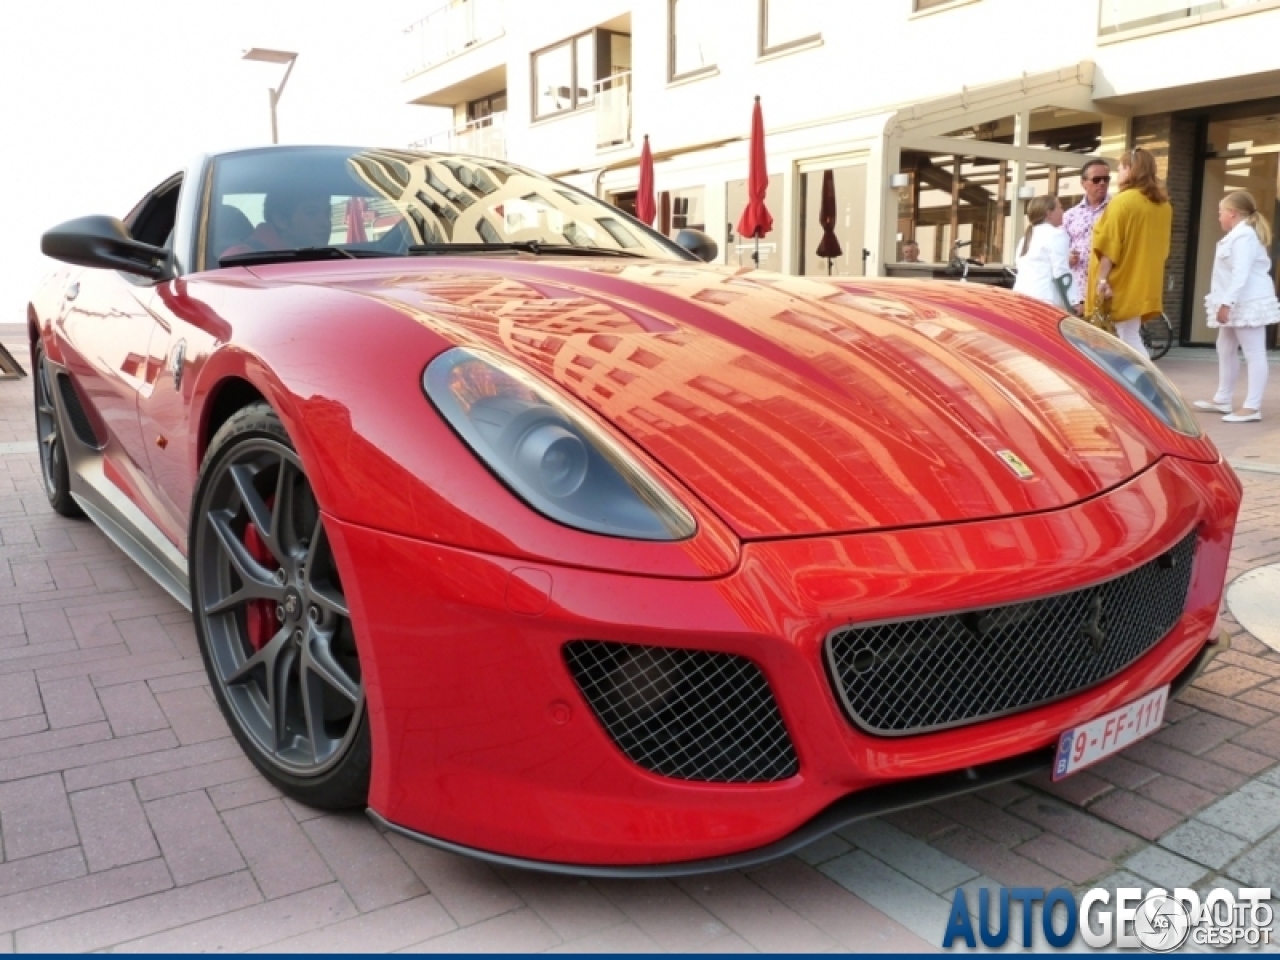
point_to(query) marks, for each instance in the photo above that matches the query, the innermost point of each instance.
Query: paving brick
(1077, 827)
(242, 793)
(1224, 706)
(1260, 867)
(368, 868)
(1177, 795)
(1177, 763)
(113, 829)
(1003, 866)
(1262, 699)
(913, 858)
(1251, 812)
(1003, 794)
(470, 890)
(94, 629)
(35, 817)
(923, 823)
(570, 906)
(144, 635)
(1165, 869)
(758, 917)
(1063, 858)
(915, 907)
(823, 849)
(131, 709)
(181, 681)
(250, 927)
(1262, 741)
(1264, 661)
(391, 928)
(23, 726)
(71, 702)
(987, 819)
(1204, 844)
(847, 919)
(277, 851)
(163, 755)
(39, 743)
(193, 715)
(624, 938)
(89, 892)
(196, 777)
(674, 920)
(108, 926)
(1239, 759)
(1136, 814)
(300, 811)
(1120, 771)
(519, 931)
(19, 696)
(195, 842)
(1230, 681)
(1199, 732)
(1080, 788)
(41, 870)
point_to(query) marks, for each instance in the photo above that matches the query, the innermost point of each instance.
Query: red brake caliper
(260, 615)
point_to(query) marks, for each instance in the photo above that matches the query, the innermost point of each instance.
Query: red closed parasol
(829, 245)
(756, 221)
(355, 221)
(646, 209)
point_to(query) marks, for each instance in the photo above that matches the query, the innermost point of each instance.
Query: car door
(106, 328)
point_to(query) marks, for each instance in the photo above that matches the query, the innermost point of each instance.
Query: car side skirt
(114, 513)
(873, 802)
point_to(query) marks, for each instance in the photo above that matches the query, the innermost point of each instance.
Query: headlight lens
(1134, 371)
(549, 453)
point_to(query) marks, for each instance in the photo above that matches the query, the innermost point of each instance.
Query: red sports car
(506, 517)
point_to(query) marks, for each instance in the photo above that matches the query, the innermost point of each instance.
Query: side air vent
(80, 422)
(687, 714)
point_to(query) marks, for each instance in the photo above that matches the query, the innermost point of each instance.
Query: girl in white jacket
(1043, 254)
(1241, 303)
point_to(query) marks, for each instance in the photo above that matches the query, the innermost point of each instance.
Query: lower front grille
(687, 714)
(913, 676)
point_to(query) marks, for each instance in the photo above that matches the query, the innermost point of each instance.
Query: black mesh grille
(918, 675)
(75, 412)
(687, 714)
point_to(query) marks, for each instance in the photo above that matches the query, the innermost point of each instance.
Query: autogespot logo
(1156, 919)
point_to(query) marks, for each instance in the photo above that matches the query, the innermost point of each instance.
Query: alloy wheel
(51, 450)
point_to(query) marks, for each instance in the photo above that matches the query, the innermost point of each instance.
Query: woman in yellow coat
(1130, 246)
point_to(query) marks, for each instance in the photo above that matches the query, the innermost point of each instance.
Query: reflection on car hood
(796, 406)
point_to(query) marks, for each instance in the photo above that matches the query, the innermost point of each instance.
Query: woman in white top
(1241, 304)
(1043, 254)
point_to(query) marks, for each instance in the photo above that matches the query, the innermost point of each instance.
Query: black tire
(295, 700)
(53, 452)
(1157, 336)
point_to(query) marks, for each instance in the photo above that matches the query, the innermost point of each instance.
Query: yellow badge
(1014, 463)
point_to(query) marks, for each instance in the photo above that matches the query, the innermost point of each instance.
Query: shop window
(739, 250)
(691, 43)
(850, 184)
(787, 23)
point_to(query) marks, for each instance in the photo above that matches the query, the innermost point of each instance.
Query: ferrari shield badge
(1015, 463)
(176, 362)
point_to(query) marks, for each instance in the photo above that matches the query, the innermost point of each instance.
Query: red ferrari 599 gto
(508, 518)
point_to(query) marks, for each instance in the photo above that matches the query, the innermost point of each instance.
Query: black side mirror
(698, 243)
(103, 242)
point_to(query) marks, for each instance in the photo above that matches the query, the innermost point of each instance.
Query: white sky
(100, 100)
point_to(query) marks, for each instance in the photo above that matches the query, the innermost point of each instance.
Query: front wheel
(1157, 336)
(53, 451)
(272, 619)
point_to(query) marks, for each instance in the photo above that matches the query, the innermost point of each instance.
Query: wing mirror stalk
(698, 243)
(104, 242)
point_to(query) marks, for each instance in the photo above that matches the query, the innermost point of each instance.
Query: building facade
(938, 118)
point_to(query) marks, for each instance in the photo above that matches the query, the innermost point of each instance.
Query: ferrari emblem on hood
(1015, 463)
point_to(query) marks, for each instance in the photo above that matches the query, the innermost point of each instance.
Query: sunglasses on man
(1097, 180)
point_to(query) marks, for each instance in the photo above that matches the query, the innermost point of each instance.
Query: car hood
(793, 406)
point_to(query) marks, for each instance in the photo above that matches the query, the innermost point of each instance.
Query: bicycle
(1157, 336)
(958, 266)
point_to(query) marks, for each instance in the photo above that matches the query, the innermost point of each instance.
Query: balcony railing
(613, 110)
(1119, 15)
(449, 30)
(486, 137)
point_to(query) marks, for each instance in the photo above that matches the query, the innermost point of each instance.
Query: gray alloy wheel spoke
(282, 511)
(260, 515)
(265, 657)
(250, 571)
(321, 662)
(278, 677)
(327, 598)
(252, 590)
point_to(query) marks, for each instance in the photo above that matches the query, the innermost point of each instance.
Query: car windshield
(293, 202)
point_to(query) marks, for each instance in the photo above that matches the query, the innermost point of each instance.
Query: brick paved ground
(129, 817)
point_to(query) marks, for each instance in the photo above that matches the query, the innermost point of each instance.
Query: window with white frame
(691, 42)
(564, 75)
(788, 23)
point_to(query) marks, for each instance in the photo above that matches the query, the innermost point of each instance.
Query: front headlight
(548, 452)
(1135, 372)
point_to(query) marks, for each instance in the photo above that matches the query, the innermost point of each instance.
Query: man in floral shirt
(1095, 177)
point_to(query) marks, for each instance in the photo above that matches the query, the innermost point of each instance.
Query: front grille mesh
(687, 714)
(917, 675)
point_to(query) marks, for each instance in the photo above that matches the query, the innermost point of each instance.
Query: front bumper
(483, 742)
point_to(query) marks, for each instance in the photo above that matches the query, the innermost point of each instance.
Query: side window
(152, 220)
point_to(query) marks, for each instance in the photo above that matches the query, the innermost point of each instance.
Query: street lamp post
(287, 57)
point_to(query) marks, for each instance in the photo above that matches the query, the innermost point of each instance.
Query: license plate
(1099, 738)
